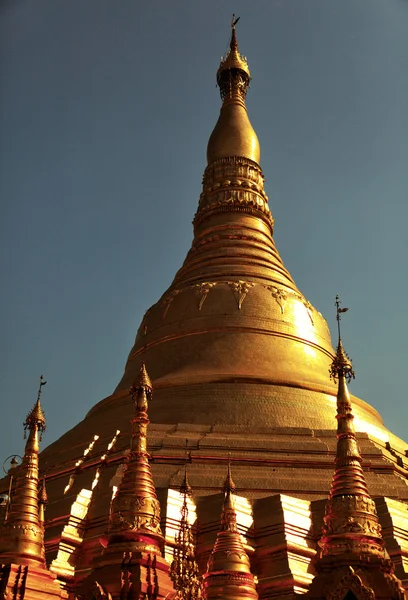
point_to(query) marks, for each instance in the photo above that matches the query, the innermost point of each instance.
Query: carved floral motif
(240, 290)
(280, 296)
(202, 290)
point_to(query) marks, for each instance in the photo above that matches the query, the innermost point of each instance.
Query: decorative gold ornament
(351, 537)
(228, 572)
(280, 296)
(233, 183)
(202, 291)
(22, 535)
(240, 290)
(135, 509)
(184, 571)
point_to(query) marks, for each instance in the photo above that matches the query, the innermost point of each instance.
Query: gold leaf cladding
(202, 290)
(240, 289)
(280, 296)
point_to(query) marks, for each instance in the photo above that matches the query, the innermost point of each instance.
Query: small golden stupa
(239, 360)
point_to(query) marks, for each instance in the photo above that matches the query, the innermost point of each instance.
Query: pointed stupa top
(135, 510)
(233, 134)
(42, 494)
(22, 535)
(228, 574)
(185, 487)
(351, 517)
(228, 554)
(143, 381)
(353, 554)
(36, 417)
(233, 60)
(229, 485)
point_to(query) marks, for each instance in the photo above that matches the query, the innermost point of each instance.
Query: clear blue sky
(106, 110)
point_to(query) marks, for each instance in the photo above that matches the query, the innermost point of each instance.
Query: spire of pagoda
(228, 572)
(135, 510)
(233, 134)
(350, 510)
(184, 571)
(353, 557)
(22, 535)
(131, 564)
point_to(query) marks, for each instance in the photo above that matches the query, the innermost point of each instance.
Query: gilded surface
(352, 535)
(135, 509)
(248, 369)
(233, 183)
(22, 534)
(228, 565)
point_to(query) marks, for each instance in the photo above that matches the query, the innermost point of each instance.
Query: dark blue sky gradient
(106, 110)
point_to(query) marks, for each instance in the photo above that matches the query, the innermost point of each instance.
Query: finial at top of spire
(185, 487)
(341, 365)
(141, 390)
(233, 75)
(36, 417)
(229, 485)
(143, 379)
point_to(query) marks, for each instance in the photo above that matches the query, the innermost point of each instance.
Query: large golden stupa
(239, 362)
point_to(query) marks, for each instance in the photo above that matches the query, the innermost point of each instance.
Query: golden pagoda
(131, 566)
(240, 363)
(353, 559)
(23, 573)
(228, 575)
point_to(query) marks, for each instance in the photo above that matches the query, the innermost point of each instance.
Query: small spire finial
(36, 417)
(229, 485)
(185, 488)
(339, 311)
(234, 21)
(341, 365)
(40, 387)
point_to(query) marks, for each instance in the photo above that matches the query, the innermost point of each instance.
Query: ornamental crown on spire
(233, 73)
(36, 417)
(341, 365)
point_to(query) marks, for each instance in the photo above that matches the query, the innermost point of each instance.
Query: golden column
(131, 564)
(353, 557)
(228, 575)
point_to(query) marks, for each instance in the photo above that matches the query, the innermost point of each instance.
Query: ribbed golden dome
(233, 134)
